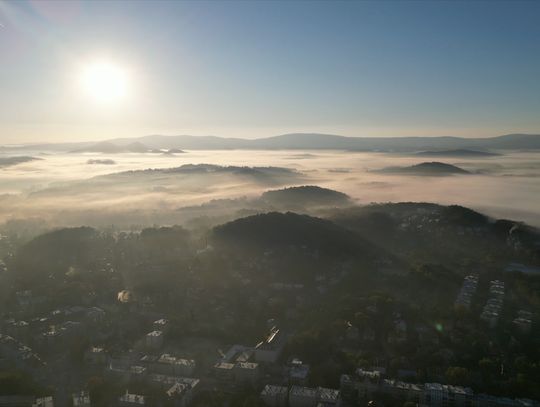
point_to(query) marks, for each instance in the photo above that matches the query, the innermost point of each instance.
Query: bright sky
(72, 71)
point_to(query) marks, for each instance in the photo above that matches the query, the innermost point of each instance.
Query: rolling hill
(305, 195)
(9, 161)
(426, 169)
(283, 230)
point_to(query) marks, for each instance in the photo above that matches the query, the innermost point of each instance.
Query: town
(162, 327)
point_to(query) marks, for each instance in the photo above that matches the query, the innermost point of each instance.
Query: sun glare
(105, 82)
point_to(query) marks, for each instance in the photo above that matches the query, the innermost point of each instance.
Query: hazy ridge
(293, 141)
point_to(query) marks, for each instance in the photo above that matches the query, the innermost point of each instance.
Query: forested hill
(280, 230)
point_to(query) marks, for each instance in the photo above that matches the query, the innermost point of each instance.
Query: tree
(458, 375)
(488, 368)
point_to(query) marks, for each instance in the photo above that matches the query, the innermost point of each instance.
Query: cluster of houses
(127, 368)
(56, 330)
(366, 383)
(239, 366)
(154, 339)
(492, 309)
(257, 366)
(169, 374)
(300, 396)
(468, 289)
(26, 401)
(242, 364)
(14, 354)
(179, 394)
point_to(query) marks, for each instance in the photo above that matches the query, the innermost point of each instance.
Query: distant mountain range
(457, 153)
(301, 141)
(108, 147)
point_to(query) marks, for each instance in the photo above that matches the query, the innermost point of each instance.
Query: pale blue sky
(253, 69)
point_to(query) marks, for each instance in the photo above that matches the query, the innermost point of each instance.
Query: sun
(105, 82)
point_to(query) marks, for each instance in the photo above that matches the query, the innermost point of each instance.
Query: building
(274, 396)
(492, 309)
(298, 372)
(166, 382)
(180, 394)
(436, 394)
(468, 289)
(81, 399)
(246, 372)
(327, 397)
(237, 353)
(26, 401)
(131, 400)
(269, 350)
(224, 371)
(171, 365)
(43, 402)
(16, 401)
(403, 390)
(95, 356)
(365, 383)
(302, 397)
(162, 325)
(523, 322)
(154, 339)
(126, 373)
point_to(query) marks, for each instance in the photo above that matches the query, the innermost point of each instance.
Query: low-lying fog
(60, 188)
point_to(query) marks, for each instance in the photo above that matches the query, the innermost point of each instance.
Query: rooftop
(224, 365)
(303, 391)
(247, 365)
(270, 390)
(132, 398)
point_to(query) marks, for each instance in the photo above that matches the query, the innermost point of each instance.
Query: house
(126, 373)
(171, 365)
(43, 402)
(161, 325)
(166, 382)
(180, 394)
(224, 371)
(237, 353)
(154, 339)
(131, 400)
(17, 329)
